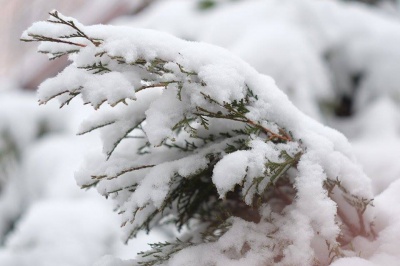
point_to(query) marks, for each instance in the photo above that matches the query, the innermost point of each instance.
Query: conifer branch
(70, 23)
(274, 171)
(236, 112)
(96, 127)
(130, 188)
(157, 85)
(41, 38)
(54, 56)
(360, 205)
(131, 169)
(118, 140)
(97, 67)
(195, 193)
(162, 252)
(73, 93)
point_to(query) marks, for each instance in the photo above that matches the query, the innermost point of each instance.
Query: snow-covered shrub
(195, 137)
(327, 56)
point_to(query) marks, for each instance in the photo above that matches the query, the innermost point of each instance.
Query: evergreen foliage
(176, 177)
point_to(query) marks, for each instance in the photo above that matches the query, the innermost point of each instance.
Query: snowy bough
(194, 136)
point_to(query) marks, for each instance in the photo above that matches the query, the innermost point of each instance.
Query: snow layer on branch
(203, 84)
(292, 41)
(124, 119)
(97, 89)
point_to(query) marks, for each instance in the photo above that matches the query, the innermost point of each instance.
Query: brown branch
(244, 119)
(52, 97)
(267, 131)
(120, 189)
(161, 84)
(39, 38)
(72, 25)
(131, 170)
(96, 127)
(98, 177)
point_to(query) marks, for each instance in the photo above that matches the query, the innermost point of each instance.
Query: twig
(49, 39)
(123, 172)
(72, 25)
(161, 84)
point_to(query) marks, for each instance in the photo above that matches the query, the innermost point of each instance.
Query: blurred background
(338, 61)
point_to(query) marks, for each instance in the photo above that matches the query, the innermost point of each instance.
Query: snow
(96, 89)
(46, 222)
(295, 37)
(207, 80)
(313, 173)
(231, 170)
(311, 49)
(110, 260)
(55, 221)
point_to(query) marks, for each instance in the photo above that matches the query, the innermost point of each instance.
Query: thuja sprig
(124, 136)
(121, 172)
(151, 219)
(162, 252)
(335, 251)
(238, 144)
(157, 85)
(130, 188)
(72, 93)
(185, 124)
(97, 68)
(188, 146)
(55, 18)
(191, 195)
(359, 203)
(41, 38)
(59, 54)
(157, 67)
(236, 112)
(79, 33)
(274, 171)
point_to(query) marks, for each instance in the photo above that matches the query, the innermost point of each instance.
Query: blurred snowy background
(338, 61)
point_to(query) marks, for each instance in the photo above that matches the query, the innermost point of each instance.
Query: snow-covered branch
(197, 137)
